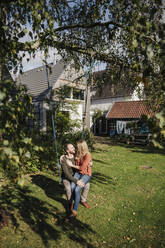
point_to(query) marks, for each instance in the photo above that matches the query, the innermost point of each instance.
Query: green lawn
(127, 205)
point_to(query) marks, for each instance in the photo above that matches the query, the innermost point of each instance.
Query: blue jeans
(75, 189)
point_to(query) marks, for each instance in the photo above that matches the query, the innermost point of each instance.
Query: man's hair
(66, 146)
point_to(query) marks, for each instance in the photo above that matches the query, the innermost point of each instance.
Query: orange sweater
(85, 167)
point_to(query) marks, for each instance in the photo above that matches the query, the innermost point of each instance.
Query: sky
(53, 57)
(39, 57)
(38, 60)
(53, 54)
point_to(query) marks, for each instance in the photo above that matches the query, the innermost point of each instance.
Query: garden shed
(123, 113)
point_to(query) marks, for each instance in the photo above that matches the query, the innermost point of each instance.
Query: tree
(125, 33)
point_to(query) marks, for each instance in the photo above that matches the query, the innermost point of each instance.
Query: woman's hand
(80, 183)
(69, 163)
(90, 163)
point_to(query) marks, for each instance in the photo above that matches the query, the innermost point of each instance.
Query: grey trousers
(67, 188)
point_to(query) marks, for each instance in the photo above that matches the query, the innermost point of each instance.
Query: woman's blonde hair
(82, 148)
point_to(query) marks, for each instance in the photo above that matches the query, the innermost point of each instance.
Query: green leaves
(2, 95)
(135, 43)
(27, 140)
(161, 118)
(16, 143)
(27, 154)
(8, 151)
(5, 142)
(150, 52)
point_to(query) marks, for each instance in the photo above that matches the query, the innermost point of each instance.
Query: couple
(74, 182)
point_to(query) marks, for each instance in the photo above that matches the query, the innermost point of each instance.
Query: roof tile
(128, 109)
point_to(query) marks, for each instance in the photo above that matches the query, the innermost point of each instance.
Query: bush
(78, 135)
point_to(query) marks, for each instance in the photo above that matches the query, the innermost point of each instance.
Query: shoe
(85, 204)
(71, 216)
(74, 213)
(71, 207)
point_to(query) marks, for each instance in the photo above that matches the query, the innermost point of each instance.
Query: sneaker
(85, 204)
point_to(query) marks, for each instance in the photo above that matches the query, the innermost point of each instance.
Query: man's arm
(68, 173)
(61, 158)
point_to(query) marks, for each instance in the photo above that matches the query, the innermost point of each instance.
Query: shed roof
(128, 110)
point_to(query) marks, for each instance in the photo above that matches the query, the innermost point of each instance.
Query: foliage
(97, 114)
(130, 32)
(18, 152)
(87, 135)
(63, 123)
(157, 126)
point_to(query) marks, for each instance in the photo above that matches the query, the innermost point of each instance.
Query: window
(67, 92)
(73, 93)
(78, 94)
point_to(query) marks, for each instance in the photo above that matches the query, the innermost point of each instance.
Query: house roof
(128, 109)
(105, 87)
(35, 80)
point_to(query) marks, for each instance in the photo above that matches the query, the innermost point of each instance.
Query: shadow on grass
(51, 188)
(147, 150)
(41, 217)
(31, 210)
(75, 230)
(102, 179)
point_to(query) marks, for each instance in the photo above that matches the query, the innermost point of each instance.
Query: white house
(40, 81)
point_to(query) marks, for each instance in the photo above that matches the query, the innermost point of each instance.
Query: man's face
(70, 149)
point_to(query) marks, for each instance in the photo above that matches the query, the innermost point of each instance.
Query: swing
(53, 124)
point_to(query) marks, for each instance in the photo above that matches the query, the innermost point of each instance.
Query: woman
(83, 164)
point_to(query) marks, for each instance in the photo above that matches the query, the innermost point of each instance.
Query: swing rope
(88, 74)
(53, 123)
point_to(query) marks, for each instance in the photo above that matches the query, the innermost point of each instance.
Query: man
(68, 175)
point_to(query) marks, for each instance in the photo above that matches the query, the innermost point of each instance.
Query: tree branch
(91, 25)
(69, 47)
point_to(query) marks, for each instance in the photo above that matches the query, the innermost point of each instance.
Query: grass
(127, 205)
